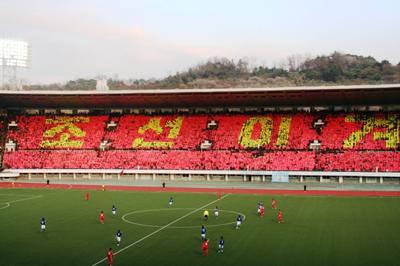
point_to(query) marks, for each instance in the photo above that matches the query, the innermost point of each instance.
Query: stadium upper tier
(379, 94)
(271, 141)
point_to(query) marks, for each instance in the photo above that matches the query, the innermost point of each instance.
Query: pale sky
(154, 38)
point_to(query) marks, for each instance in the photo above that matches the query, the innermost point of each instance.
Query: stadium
(328, 155)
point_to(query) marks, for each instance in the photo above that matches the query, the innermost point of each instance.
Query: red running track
(343, 193)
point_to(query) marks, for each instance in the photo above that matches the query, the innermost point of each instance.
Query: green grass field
(318, 230)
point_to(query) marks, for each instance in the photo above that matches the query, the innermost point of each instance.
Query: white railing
(207, 174)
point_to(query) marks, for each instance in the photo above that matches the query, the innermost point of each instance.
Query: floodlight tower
(13, 55)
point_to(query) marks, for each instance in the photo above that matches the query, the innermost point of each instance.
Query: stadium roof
(388, 94)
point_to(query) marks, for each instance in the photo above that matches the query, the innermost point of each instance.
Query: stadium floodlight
(13, 55)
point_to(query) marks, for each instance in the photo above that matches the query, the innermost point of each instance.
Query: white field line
(178, 227)
(18, 195)
(160, 229)
(8, 203)
(34, 197)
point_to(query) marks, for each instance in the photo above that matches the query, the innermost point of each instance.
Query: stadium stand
(268, 141)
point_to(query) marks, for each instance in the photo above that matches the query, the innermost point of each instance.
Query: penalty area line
(160, 229)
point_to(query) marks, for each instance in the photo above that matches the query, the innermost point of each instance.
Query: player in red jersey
(280, 218)
(204, 247)
(262, 211)
(110, 257)
(87, 196)
(273, 204)
(101, 217)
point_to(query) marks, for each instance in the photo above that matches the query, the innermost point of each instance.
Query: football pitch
(318, 230)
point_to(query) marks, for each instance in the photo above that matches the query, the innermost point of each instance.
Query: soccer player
(171, 201)
(239, 221)
(205, 214)
(259, 208)
(110, 257)
(221, 245)
(42, 225)
(118, 237)
(113, 210)
(273, 204)
(262, 211)
(204, 247)
(216, 212)
(203, 232)
(101, 217)
(280, 218)
(87, 196)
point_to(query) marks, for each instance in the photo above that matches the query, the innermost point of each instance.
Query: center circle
(125, 219)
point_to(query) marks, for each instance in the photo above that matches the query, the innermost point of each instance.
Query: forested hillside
(334, 69)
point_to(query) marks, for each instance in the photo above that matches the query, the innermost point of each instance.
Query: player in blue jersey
(221, 245)
(42, 225)
(118, 237)
(113, 210)
(203, 232)
(171, 201)
(239, 220)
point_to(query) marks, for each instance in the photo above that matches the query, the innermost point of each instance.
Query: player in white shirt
(118, 237)
(216, 212)
(239, 221)
(221, 245)
(259, 208)
(42, 225)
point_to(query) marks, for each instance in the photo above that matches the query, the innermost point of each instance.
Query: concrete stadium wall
(201, 175)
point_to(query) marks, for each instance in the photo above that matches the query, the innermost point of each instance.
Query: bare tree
(294, 62)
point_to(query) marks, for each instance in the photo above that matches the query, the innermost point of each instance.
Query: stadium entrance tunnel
(158, 218)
